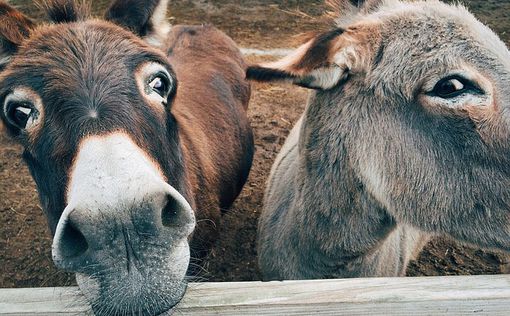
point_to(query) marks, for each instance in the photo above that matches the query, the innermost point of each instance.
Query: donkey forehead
(442, 25)
(83, 54)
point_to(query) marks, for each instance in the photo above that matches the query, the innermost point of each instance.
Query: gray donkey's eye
(454, 86)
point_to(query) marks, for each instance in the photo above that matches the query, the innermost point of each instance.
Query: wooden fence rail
(458, 295)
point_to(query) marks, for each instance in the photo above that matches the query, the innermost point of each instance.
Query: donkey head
(91, 102)
(414, 99)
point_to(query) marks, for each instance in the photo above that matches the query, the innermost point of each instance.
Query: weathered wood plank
(462, 295)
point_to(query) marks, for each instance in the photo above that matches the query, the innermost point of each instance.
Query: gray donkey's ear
(14, 29)
(325, 60)
(145, 18)
(346, 12)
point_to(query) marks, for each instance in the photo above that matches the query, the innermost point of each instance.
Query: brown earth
(25, 258)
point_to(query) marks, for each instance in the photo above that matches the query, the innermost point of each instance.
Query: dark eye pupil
(159, 85)
(21, 118)
(449, 88)
(19, 114)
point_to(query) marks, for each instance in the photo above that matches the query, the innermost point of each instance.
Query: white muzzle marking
(110, 173)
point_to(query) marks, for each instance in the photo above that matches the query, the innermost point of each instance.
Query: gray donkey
(406, 135)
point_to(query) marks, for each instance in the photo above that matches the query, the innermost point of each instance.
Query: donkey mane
(65, 11)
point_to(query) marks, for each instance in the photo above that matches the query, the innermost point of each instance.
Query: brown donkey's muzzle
(86, 237)
(120, 209)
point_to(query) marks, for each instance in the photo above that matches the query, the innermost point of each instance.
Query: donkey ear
(145, 18)
(14, 29)
(322, 62)
(66, 11)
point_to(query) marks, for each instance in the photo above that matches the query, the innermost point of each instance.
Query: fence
(456, 295)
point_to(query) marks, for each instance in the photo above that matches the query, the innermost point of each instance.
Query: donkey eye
(452, 87)
(21, 115)
(160, 85)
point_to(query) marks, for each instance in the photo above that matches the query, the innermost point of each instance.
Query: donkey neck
(365, 234)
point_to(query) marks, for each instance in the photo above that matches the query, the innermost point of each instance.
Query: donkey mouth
(140, 297)
(149, 282)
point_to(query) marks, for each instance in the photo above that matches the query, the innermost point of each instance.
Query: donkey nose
(86, 232)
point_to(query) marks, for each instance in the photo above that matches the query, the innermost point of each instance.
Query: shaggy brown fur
(83, 79)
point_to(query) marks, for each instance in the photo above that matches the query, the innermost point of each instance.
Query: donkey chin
(128, 288)
(149, 281)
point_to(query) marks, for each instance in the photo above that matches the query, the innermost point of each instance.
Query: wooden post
(459, 295)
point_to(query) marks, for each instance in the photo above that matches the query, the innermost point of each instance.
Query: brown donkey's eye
(160, 85)
(452, 87)
(20, 114)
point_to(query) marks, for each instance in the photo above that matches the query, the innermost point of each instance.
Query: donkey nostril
(170, 214)
(72, 243)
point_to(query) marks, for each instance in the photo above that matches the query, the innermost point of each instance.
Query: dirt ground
(25, 258)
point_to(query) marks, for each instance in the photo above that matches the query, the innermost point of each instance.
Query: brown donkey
(133, 132)
(407, 134)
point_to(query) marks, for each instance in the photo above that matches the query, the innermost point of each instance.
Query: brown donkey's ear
(65, 11)
(14, 29)
(145, 18)
(322, 62)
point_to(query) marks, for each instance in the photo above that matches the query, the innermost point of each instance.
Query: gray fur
(375, 166)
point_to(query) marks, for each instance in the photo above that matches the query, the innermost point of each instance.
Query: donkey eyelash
(156, 75)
